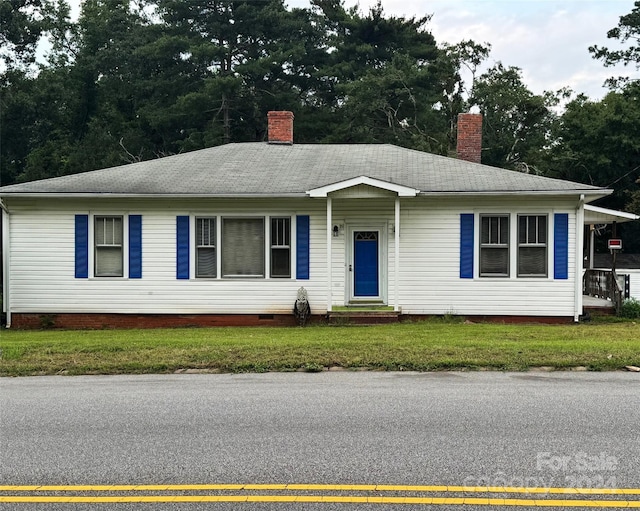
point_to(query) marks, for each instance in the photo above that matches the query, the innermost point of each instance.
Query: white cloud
(547, 39)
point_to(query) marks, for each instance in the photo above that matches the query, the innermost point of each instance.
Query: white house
(227, 235)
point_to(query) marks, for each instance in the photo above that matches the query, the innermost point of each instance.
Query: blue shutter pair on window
(82, 246)
(302, 247)
(560, 246)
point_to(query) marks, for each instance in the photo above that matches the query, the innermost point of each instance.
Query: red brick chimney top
(280, 127)
(469, 145)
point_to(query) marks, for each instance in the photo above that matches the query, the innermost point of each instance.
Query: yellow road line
(319, 499)
(320, 487)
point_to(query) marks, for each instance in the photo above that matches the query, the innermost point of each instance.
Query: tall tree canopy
(136, 80)
(516, 121)
(627, 33)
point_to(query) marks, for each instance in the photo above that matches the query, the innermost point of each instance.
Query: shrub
(630, 308)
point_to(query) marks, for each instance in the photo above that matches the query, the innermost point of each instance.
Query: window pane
(109, 262)
(205, 262)
(494, 261)
(532, 261)
(243, 247)
(504, 230)
(280, 232)
(280, 262)
(522, 229)
(484, 238)
(205, 231)
(495, 230)
(108, 230)
(108, 246)
(542, 229)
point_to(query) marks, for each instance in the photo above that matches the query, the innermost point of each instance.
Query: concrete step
(362, 317)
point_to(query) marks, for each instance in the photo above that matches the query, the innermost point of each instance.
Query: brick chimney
(280, 127)
(469, 145)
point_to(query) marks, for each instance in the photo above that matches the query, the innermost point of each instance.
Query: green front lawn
(421, 346)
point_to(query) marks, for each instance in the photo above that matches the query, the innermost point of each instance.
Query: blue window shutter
(82, 246)
(135, 246)
(466, 246)
(561, 246)
(182, 265)
(302, 247)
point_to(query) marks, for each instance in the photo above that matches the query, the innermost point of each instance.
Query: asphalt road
(560, 430)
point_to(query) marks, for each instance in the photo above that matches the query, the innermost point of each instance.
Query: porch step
(362, 317)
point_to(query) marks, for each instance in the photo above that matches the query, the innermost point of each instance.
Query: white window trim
(513, 254)
(219, 216)
(546, 245)
(509, 245)
(125, 244)
(270, 246)
(193, 220)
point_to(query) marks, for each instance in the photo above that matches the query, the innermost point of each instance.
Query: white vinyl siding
(206, 260)
(107, 236)
(42, 259)
(532, 245)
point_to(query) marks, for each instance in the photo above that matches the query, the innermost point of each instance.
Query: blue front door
(365, 264)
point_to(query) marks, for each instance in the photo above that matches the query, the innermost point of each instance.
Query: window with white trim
(206, 258)
(494, 245)
(108, 249)
(532, 245)
(280, 247)
(243, 247)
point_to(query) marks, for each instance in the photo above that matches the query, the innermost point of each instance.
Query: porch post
(396, 271)
(592, 242)
(579, 262)
(329, 269)
(6, 263)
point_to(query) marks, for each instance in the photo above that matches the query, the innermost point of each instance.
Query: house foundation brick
(83, 321)
(127, 321)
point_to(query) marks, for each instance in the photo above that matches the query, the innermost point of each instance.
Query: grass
(422, 346)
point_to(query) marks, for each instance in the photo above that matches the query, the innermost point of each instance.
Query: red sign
(615, 244)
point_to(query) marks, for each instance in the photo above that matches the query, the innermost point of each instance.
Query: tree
(21, 25)
(516, 121)
(627, 32)
(384, 78)
(598, 142)
(244, 56)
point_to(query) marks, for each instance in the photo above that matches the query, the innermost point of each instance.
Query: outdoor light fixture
(336, 230)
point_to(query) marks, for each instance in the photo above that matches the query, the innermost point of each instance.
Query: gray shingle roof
(264, 169)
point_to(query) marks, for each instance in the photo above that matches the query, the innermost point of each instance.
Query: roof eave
(95, 195)
(590, 195)
(597, 215)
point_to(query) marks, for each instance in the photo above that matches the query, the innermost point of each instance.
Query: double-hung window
(108, 246)
(280, 247)
(243, 247)
(494, 246)
(532, 246)
(206, 260)
(247, 247)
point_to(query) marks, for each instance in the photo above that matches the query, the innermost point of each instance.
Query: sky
(547, 39)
